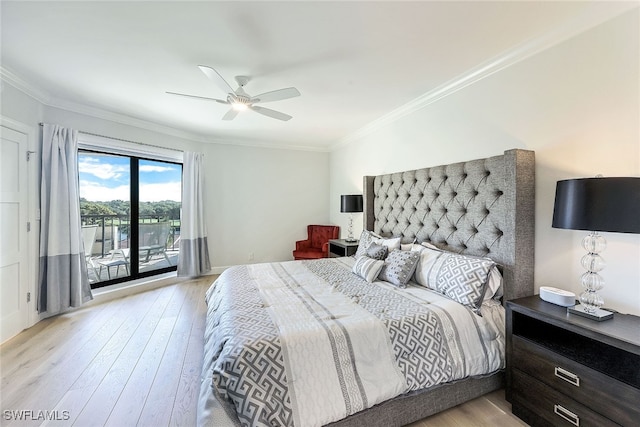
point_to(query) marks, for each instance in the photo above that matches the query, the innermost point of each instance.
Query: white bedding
(308, 343)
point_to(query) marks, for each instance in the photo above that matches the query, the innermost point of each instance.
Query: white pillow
(392, 243)
(494, 287)
(425, 264)
(429, 245)
(367, 268)
(411, 247)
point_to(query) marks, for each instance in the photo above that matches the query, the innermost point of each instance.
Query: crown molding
(22, 85)
(589, 19)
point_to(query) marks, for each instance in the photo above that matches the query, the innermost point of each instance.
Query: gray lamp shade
(598, 204)
(351, 203)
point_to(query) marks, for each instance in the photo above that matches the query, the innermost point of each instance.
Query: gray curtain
(63, 280)
(194, 252)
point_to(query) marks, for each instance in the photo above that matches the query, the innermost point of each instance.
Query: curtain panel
(193, 260)
(63, 281)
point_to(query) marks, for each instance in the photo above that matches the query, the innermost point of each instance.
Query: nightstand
(565, 370)
(340, 247)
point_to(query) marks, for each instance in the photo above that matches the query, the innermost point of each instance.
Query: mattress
(306, 343)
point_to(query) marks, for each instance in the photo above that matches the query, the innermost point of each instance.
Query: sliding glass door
(130, 210)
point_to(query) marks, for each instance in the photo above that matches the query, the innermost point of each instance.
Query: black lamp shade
(351, 203)
(598, 204)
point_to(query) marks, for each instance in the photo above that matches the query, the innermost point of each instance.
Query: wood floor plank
(51, 340)
(62, 377)
(56, 349)
(103, 400)
(489, 410)
(159, 404)
(134, 395)
(184, 411)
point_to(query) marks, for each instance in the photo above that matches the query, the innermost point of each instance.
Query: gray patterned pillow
(366, 238)
(376, 251)
(399, 267)
(367, 268)
(462, 278)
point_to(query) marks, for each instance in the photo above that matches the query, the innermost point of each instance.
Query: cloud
(93, 166)
(95, 192)
(161, 191)
(153, 168)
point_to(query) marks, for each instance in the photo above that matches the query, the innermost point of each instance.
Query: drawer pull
(563, 412)
(567, 376)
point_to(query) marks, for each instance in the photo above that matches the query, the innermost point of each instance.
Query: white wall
(576, 105)
(259, 200)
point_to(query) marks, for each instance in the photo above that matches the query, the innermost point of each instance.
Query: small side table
(340, 248)
(108, 263)
(567, 370)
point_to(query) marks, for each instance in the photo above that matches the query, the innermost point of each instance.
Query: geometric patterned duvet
(308, 343)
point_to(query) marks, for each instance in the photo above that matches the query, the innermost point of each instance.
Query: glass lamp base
(599, 315)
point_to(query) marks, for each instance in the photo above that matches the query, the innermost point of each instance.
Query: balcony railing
(113, 232)
(107, 246)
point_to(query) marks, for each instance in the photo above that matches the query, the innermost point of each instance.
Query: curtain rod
(124, 140)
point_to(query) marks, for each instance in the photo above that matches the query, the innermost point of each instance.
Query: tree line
(167, 209)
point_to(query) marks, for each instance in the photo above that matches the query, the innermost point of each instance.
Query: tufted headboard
(482, 207)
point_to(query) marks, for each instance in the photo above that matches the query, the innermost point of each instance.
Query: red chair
(317, 245)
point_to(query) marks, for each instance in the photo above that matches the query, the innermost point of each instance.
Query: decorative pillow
(376, 251)
(411, 247)
(407, 246)
(494, 287)
(391, 243)
(462, 278)
(426, 262)
(367, 268)
(366, 238)
(399, 267)
(429, 245)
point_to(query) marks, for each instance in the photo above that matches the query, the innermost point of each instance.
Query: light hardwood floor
(136, 361)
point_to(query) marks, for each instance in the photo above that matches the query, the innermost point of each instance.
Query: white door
(13, 233)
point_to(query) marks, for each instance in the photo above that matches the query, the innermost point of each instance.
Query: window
(130, 212)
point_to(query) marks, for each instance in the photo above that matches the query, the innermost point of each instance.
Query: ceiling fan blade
(198, 97)
(276, 95)
(216, 78)
(270, 113)
(231, 114)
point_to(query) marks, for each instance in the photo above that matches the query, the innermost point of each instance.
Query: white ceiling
(354, 62)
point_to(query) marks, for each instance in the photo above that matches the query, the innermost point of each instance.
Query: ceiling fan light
(239, 106)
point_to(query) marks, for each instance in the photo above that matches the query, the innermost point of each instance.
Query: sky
(106, 177)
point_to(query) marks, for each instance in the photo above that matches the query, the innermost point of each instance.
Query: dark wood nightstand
(340, 247)
(565, 370)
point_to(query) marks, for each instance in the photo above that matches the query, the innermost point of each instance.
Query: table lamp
(351, 203)
(596, 204)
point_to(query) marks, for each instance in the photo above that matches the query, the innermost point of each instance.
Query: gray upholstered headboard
(481, 207)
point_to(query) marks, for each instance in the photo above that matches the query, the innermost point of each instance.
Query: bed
(328, 342)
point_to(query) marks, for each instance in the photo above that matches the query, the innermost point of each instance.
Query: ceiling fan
(241, 100)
